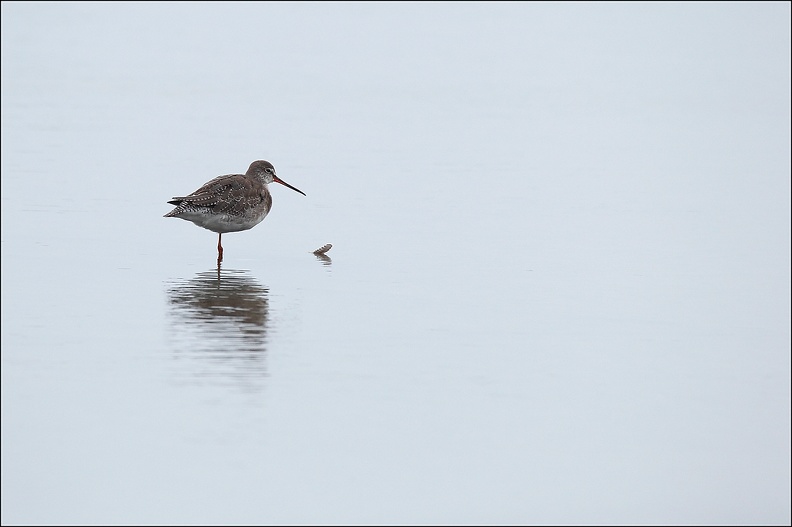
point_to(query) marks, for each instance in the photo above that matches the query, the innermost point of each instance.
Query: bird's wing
(221, 193)
(236, 197)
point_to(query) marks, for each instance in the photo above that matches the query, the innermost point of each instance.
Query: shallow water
(558, 292)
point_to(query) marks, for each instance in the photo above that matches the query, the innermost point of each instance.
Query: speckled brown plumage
(230, 203)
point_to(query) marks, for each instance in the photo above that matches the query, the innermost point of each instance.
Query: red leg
(219, 247)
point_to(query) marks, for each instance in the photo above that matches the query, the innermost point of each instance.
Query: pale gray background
(559, 289)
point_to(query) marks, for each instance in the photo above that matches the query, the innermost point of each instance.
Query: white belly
(222, 223)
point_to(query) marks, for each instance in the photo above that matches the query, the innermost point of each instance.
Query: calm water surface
(559, 287)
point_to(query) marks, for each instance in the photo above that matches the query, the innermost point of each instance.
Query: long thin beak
(276, 179)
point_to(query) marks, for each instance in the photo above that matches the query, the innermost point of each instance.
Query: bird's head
(266, 173)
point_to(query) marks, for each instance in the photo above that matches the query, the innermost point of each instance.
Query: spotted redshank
(231, 203)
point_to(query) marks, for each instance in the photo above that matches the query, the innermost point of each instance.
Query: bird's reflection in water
(219, 323)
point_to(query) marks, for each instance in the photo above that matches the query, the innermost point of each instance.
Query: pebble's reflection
(326, 261)
(219, 323)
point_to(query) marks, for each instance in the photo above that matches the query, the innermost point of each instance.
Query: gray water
(559, 288)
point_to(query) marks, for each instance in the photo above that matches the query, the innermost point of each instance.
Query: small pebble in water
(323, 249)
